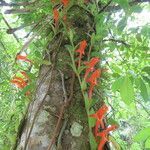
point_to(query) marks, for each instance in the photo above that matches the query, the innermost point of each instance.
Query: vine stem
(83, 94)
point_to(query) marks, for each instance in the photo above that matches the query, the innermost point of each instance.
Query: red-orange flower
(56, 16)
(81, 50)
(104, 136)
(19, 82)
(23, 58)
(90, 65)
(65, 2)
(93, 81)
(99, 116)
(93, 78)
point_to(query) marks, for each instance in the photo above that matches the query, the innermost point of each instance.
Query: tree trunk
(44, 111)
(56, 118)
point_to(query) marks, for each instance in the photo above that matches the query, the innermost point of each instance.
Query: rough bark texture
(50, 106)
(44, 110)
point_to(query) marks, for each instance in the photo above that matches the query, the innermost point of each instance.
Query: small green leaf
(144, 91)
(71, 35)
(117, 84)
(83, 85)
(11, 137)
(91, 120)
(87, 102)
(112, 121)
(122, 24)
(93, 102)
(136, 9)
(146, 79)
(81, 68)
(147, 143)
(146, 69)
(69, 48)
(116, 68)
(123, 3)
(127, 91)
(142, 135)
(138, 37)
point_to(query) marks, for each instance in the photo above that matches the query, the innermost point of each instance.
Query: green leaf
(122, 24)
(127, 91)
(71, 35)
(136, 9)
(123, 3)
(93, 102)
(101, 29)
(91, 120)
(87, 102)
(138, 37)
(112, 121)
(93, 143)
(80, 69)
(144, 91)
(116, 68)
(11, 137)
(147, 143)
(146, 69)
(142, 135)
(117, 84)
(27, 88)
(146, 79)
(83, 85)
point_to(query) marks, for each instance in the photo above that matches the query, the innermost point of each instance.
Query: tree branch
(16, 11)
(117, 41)
(10, 28)
(3, 3)
(135, 2)
(103, 8)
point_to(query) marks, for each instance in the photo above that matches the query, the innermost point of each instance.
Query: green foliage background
(124, 50)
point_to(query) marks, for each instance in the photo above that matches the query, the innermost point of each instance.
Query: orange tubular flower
(65, 2)
(56, 16)
(99, 115)
(90, 66)
(19, 82)
(81, 50)
(93, 81)
(93, 78)
(104, 136)
(23, 58)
